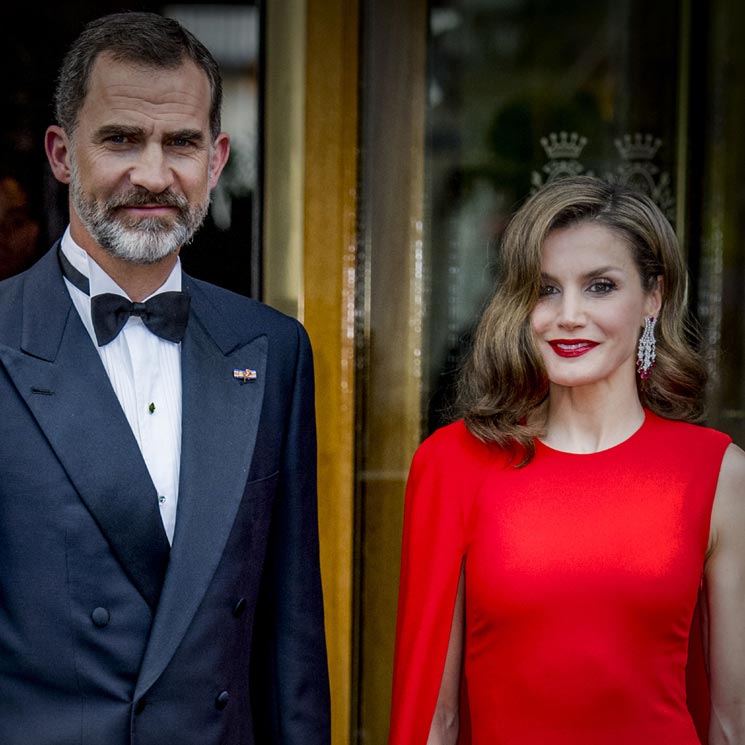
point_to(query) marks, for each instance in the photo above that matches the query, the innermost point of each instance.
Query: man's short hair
(145, 39)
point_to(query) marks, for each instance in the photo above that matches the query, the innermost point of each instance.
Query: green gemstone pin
(151, 408)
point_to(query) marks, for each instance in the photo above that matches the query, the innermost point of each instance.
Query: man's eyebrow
(117, 130)
(134, 133)
(186, 134)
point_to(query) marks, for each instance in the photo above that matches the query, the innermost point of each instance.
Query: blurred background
(379, 147)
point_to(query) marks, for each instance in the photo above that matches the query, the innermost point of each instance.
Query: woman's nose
(572, 310)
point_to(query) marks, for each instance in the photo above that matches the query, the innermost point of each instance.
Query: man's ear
(220, 152)
(57, 146)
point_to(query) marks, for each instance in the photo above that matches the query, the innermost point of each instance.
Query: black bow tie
(165, 314)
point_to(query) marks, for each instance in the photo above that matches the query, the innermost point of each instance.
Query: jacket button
(222, 700)
(100, 617)
(140, 706)
(239, 607)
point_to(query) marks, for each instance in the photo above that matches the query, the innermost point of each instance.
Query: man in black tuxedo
(159, 574)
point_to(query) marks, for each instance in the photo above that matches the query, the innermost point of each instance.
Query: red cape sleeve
(441, 483)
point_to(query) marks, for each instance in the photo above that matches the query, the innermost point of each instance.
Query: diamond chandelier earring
(647, 352)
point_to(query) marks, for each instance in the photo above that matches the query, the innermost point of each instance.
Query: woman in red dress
(558, 539)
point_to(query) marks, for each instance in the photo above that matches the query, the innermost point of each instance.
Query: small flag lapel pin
(244, 375)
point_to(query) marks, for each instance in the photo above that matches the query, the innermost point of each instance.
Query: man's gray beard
(143, 241)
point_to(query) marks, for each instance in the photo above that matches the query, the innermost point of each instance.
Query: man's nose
(151, 170)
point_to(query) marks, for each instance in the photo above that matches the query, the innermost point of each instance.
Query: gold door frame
(310, 238)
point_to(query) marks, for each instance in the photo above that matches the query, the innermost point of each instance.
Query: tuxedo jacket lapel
(60, 376)
(219, 424)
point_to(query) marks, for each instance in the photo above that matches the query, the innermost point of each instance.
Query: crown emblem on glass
(638, 147)
(565, 145)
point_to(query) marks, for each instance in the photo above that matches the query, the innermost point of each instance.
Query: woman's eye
(602, 286)
(547, 290)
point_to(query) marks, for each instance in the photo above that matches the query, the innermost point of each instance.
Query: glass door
(519, 94)
(467, 107)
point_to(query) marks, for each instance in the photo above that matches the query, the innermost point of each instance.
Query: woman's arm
(725, 603)
(446, 723)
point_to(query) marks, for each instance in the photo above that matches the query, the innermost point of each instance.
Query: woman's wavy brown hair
(504, 379)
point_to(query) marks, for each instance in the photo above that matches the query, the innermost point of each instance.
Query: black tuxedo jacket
(107, 635)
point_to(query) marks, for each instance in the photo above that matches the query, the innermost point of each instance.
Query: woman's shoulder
(733, 465)
(676, 432)
(449, 468)
(455, 442)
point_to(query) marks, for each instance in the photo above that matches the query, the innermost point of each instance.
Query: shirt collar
(100, 282)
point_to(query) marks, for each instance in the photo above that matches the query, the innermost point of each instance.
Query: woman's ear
(653, 303)
(57, 147)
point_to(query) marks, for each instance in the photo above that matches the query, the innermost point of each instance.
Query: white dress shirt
(145, 372)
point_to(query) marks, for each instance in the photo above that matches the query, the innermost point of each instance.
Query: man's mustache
(143, 198)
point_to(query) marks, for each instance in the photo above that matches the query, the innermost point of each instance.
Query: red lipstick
(572, 347)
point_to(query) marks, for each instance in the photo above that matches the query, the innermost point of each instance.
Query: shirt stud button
(100, 617)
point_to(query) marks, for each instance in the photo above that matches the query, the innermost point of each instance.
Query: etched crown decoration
(565, 145)
(638, 147)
